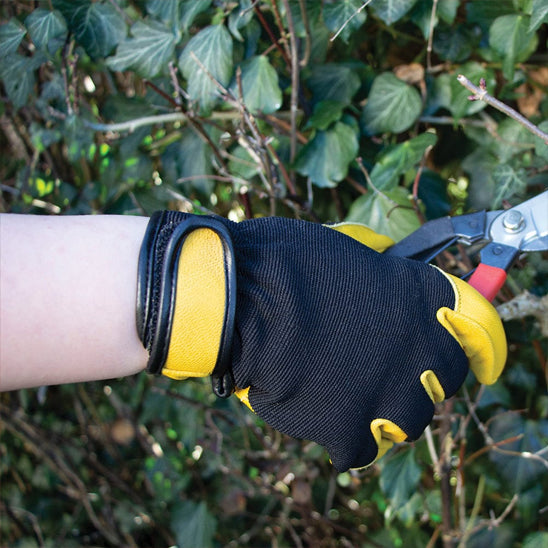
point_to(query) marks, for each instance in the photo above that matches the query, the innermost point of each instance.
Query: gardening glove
(323, 337)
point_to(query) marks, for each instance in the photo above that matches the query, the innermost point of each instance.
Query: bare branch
(480, 94)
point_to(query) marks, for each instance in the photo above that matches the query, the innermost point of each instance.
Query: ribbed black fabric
(331, 335)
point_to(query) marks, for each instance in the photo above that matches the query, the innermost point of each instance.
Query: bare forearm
(67, 299)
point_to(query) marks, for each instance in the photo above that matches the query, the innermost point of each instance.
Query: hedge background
(325, 111)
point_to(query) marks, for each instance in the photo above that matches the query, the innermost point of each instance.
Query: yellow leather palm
(477, 327)
(199, 307)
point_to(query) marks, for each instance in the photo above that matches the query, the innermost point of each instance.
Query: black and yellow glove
(323, 337)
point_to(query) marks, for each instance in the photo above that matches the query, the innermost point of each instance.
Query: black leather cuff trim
(156, 290)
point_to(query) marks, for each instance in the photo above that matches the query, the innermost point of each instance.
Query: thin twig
(132, 125)
(357, 12)
(294, 81)
(480, 94)
(274, 40)
(431, 36)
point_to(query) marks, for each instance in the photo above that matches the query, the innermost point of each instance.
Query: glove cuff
(185, 324)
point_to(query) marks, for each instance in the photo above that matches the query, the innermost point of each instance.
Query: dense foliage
(323, 110)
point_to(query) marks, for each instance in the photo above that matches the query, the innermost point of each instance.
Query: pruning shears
(505, 235)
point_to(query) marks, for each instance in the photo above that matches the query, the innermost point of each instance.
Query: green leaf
(260, 86)
(421, 15)
(78, 138)
(511, 39)
(45, 25)
(398, 160)
(166, 11)
(541, 148)
(508, 183)
(455, 43)
(433, 194)
(97, 27)
(193, 524)
(400, 477)
(207, 57)
(325, 113)
(344, 13)
(460, 104)
(17, 75)
(241, 164)
(391, 11)
(331, 82)
(519, 473)
(388, 213)
(189, 158)
(240, 18)
(190, 9)
(447, 10)
(392, 105)
(147, 51)
(484, 12)
(539, 14)
(514, 140)
(11, 34)
(535, 540)
(326, 157)
(480, 166)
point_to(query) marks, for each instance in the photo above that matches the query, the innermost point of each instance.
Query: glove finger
(477, 327)
(364, 235)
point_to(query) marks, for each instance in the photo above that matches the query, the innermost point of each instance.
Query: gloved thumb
(477, 327)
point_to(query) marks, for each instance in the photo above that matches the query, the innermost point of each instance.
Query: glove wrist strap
(157, 274)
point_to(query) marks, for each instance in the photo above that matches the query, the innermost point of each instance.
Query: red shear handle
(488, 280)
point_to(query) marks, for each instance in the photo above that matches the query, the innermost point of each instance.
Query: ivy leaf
(541, 149)
(398, 160)
(392, 105)
(455, 43)
(193, 524)
(97, 27)
(207, 57)
(508, 183)
(17, 75)
(240, 18)
(190, 9)
(539, 14)
(344, 13)
(325, 113)
(166, 11)
(511, 39)
(388, 213)
(538, 539)
(333, 82)
(484, 12)
(11, 34)
(45, 25)
(391, 11)
(400, 477)
(433, 194)
(519, 473)
(326, 157)
(78, 138)
(241, 164)
(147, 51)
(190, 159)
(260, 86)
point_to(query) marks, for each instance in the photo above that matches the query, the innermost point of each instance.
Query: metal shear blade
(506, 234)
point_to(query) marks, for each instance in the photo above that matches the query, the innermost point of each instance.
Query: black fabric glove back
(330, 334)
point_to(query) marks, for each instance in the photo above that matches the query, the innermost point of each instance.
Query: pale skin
(67, 299)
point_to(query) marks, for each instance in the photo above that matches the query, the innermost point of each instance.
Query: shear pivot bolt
(513, 221)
